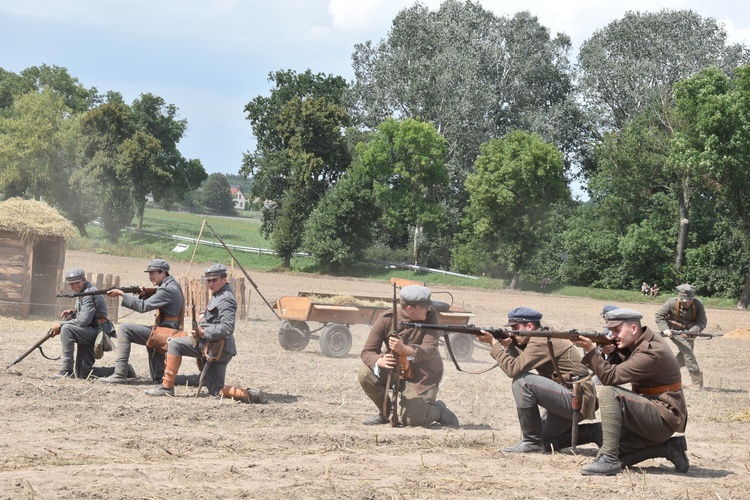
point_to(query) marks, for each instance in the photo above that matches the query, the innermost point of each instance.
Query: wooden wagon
(337, 313)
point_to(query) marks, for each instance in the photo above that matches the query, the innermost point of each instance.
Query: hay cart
(338, 312)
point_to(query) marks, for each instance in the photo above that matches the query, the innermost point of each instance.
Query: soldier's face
(156, 277)
(624, 334)
(77, 286)
(416, 313)
(215, 284)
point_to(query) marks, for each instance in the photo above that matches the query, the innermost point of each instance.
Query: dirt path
(83, 439)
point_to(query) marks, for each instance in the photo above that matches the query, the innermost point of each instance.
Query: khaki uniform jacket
(427, 365)
(668, 312)
(650, 363)
(535, 356)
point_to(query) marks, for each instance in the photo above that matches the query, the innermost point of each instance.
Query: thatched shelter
(32, 256)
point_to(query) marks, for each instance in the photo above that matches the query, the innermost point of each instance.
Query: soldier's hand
(115, 293)
(198, 332)
(55, 330)
(584, 343)
(66, 312)
(608, 348)
(387, 361)
(396, 344)
(506, 343)
(667, 333)
(486, 337)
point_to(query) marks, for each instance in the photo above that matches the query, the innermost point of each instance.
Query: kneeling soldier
(638, 424)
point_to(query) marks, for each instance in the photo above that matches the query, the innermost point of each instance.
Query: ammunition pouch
(160, 336)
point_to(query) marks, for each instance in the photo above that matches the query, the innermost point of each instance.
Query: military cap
(607, 308)
(215, 271)
(157, 265)
(415, 295)
(75, 275)
(686, 291)
(618, 316)
(523, 315)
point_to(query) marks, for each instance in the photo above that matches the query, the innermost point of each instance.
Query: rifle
(696, 335)
(394, 376)
(211, 352)
(38, 344)
(142, 292)
(503, 333)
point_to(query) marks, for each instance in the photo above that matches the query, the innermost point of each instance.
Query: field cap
(618, 316)
(523, 315)
(686, 291)
(607, 308)
(416, 295)
(75, 275)
(215, 271)
(157, 265)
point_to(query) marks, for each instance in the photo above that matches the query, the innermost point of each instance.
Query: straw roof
(34, 220)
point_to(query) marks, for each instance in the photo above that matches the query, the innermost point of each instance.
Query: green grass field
(245, 231)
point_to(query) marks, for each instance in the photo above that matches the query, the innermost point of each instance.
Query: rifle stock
(143, 292)
(502, 333)
(38, 344)
(211, 352)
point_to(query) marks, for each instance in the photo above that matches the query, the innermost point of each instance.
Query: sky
(211, 57)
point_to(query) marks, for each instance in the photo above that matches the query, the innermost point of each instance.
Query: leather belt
(659, 389)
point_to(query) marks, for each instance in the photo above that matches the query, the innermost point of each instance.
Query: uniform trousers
(414, 409)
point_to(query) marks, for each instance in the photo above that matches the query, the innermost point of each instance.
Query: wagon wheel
(294, 335)
(336, 340)
(462, 346)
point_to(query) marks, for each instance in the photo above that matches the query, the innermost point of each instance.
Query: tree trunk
(82, 230)
(681, 235)
(287, 261)
(745, 295)
(514, 281)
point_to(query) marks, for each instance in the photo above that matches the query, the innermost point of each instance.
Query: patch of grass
(245, 231)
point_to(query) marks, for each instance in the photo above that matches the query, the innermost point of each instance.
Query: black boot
(587, 433)
(531, 429)
(673, 450)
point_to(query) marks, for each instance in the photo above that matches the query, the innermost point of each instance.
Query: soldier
(638, 424)
(85, 320)
(517, 356)
(215, 324)
(168, 300)
(684, 312)
(419, 405)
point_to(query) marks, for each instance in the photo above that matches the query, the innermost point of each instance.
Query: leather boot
(447, 417)
(673, 450)
(531, 429)
(244, 395)
(604, 465)
(697, 379)
(171, 366)
(587, 433)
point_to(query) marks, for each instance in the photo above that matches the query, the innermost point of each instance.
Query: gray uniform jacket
(167, 298)
(219, 318)
(684, 320)
(88, 309)
(649, 364)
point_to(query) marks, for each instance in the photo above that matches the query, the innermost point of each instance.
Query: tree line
(455, 146)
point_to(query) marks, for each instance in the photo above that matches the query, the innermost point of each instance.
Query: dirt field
(84, 439)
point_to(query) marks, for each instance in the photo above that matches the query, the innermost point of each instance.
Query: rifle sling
(455, 363)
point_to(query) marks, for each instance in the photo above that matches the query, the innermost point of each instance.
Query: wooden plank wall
(15, 273)
(196, 292)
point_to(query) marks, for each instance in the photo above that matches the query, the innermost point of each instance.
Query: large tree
(472, 74)
(518, 180)
(715, 109)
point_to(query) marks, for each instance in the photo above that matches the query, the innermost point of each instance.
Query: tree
(716, 113)
(217, 195)
(473, 75)
(517, 179)
(339, 229)
(633, 63)
(407, 162)
(76, 97)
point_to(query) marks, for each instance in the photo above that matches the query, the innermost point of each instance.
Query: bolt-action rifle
(394, 377)
(38, 343)
(503, 333)
(211, 352)
(139, 290)
(696, 335)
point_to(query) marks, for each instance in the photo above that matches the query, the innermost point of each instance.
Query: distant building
(240, 200)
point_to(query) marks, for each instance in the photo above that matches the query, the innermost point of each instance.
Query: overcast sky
(211, 57)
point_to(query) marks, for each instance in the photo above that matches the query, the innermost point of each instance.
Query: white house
(240, 200)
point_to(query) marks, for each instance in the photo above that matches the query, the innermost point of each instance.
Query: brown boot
(171, 367)
(697, 379)
(245, 395)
